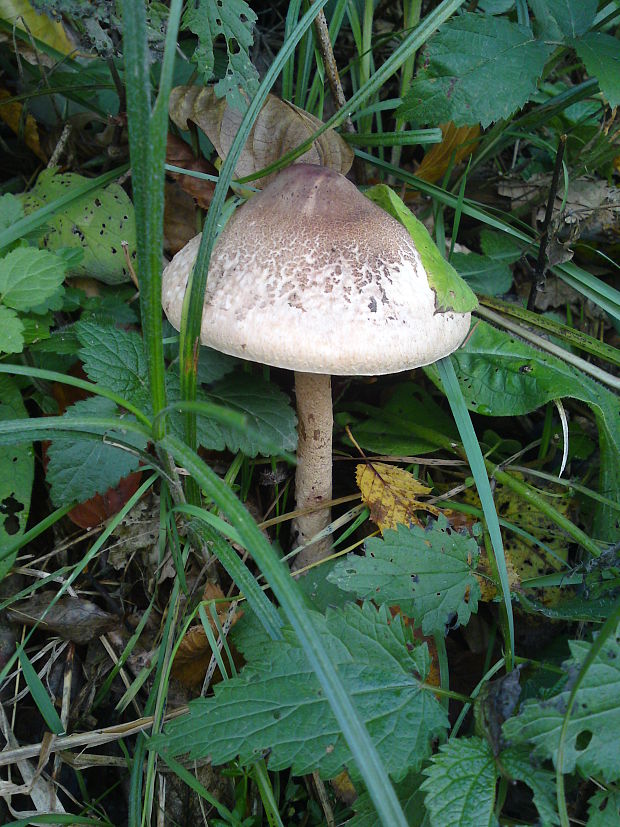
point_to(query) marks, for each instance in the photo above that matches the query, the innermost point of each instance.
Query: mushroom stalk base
(313, 480)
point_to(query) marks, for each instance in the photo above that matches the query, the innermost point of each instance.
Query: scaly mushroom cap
(312, 276)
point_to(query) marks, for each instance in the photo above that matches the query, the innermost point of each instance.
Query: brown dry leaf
(11, 114)
(194, 653)
(72, 618)
(280, 127)
(179, 217)
(457, 143)
(391, 494)
(180, 154)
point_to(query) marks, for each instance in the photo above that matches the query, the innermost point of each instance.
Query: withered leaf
(456, 144)
(179, 154)
(72, 618)
(391, 494)
(194, 653)
(280, 127)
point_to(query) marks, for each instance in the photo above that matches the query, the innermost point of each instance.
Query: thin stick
(543, 257)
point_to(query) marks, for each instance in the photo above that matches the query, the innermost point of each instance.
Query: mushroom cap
(312, 276)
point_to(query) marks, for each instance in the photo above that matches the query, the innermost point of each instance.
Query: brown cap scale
(311, 275)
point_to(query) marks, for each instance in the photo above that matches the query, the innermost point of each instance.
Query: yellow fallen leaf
(280, 127)
(457, 143)
(391, 494)
(11, 114)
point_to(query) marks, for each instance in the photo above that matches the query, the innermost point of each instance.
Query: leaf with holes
(428, 572)
(16, 475)
(591, 744)
(97, 223)
(232, 20)
(476, 69)
(277, 705)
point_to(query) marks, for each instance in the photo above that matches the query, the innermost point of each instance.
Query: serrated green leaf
(482, 273)
(460, 784)
(11, 331)
(517, 763)
(429, 573)
(80, 467)
(501, 375)
(36, 327)
(410, 796)
(560, 19)
(115, 359)
(476, 69)
(276, 703)
(604, 809)
(500, 246)
(233, 21)
(16, 473)
(600, 53)
(266, 407)
(30, 278)
(11, 210)
(97, 223)
(592, 739)
(451, 292)
(209, 432)
(213, 365)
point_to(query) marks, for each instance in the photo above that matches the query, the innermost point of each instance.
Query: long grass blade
(465, 427)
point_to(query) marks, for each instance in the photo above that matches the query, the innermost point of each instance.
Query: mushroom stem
(313, 480)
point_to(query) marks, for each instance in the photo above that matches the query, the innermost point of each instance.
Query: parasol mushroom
(312, 276)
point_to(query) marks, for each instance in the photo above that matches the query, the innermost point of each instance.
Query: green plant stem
(411, 18)
(147, 143)
(531, 496)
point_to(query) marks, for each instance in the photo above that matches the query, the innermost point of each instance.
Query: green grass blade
(465, 427)
(39, 694)
(293, 603)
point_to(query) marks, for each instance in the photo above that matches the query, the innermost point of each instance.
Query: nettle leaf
(209, 432)
(600, 53)
(451, 292)
(277, 704)
(233, 20)
(517, 763)
(428, 572)
(11, 331)
(16, 473)
(460, 784)
(411, 799)
(80, 467)
(30, 279)
(115, 359)
(97, 223)
(591, 744)
(501, 375)
(266, 407)
(560, 19)
(476, 69)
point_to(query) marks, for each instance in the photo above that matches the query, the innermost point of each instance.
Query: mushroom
(311, 275)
